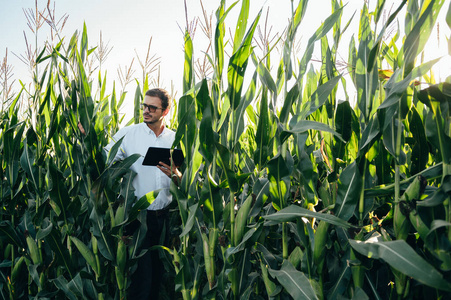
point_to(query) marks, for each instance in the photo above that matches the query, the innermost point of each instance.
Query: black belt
(158, 212)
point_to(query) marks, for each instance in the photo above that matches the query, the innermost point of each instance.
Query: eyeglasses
(151, 108)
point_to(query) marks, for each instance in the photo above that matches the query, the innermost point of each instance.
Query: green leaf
(142, 203)
(219, 44)
(56, 243)
(86, 253)
(265, 132)
(84, 42)
(59, 196)
(420, 149)
(121, 167)
(212, 207)
(291, 98)
(376, 48)
(239, 114)
(370, 134)
(186, 131)
(396, 86)
(279, 180)
(44, 230)
(390, 140)
(241, 25)
(294, 282)
(341, 282)
(348, 194)
(325, 27)
(137, 104)
(293, 212)
(319, 97)
(448, 16)
(399, 255)
(266, 79)
(251, 235)
(261, 192)
(241, 220)
(188, 65)
(237, 66)
(305, 125)
(27, 163)
(432, 172)
(343, 120)
(224, 160)
(8, 233)
(62, 285)
(104, 240)
(418, 37)
(190, 221)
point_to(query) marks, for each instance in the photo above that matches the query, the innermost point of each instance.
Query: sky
(127, 27)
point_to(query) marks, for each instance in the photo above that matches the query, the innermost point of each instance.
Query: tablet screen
(154, 155)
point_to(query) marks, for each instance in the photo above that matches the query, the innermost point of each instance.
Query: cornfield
(287, 191)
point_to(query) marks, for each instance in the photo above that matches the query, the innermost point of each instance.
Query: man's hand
(173, 173)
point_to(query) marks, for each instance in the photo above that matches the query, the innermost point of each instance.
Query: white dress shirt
(137, 139)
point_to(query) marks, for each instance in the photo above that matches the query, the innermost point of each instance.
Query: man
(138, 138)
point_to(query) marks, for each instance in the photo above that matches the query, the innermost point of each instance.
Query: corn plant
(65, 204)
(287, 191)
(267, 169)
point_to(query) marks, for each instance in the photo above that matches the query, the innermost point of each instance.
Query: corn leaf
(420, 149)
(306, 125)
(142, 203)
(188, 66)
(279, 171)
(295, 21)
(55, 241)
(62, 284)
(240, 29)
(212, 208)
(397, 87)
(264, 133)
(319, 97)
(320, 32)
(241, 220)
(348, 194)
(27, 163)
(292, 97)
(293, 212)
(10, 234)
(238, 116)
(86, 253)
(190, 221)
(341, 282)
(399, 255)
(418, 37)
(294, 282)
(366, 82)
(237, 66)
(104, 240)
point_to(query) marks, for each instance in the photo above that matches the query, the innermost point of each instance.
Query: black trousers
(146, 280)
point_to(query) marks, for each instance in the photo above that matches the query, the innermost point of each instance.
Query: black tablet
(154, 155)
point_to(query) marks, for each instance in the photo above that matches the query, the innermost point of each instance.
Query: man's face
(150, 117)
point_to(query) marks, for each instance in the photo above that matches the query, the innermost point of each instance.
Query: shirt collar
(150, 131)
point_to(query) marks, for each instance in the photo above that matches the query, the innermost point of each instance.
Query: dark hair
(163, 95)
